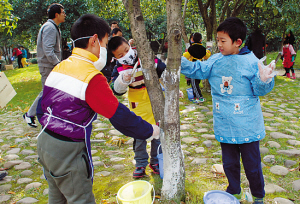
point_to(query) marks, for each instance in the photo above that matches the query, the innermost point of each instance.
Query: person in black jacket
(256, 42)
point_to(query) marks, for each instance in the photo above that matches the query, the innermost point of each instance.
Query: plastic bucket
(136, 192)
(160, 163)
(219, 197)
(190, 93)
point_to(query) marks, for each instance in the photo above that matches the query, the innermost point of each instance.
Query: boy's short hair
(88, 25)
(114, 22)
(114, 43)
(197, 37)
(234, 27)
(115, 31)
(53, 9)
(286, 42)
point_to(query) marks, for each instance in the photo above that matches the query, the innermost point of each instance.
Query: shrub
(33, 60)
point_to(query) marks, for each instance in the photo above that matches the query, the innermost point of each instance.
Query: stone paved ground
(280, 152)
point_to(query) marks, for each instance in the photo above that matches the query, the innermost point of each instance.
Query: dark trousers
(19, 61)
(196, 88)
(252, 164)
(287, 70)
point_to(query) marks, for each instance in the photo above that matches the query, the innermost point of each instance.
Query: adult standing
(18, 54)
(48, 52)
(256, 42)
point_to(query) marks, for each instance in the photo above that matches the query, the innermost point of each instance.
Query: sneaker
(258, 200)
(2, 175)
(139, 172)
(201, 100)
(30, 120)
(155, 168)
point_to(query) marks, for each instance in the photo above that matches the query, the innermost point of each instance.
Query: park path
(280, 150)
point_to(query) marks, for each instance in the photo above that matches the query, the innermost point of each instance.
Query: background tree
(165, 109)
(7, 19)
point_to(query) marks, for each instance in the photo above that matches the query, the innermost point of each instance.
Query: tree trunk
(146, 55)
(173, 189)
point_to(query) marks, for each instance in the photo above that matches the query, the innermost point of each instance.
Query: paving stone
(186, 127)
(289, 163)
(13, 151)
(273, 188)
(93, 151)
(103, 173)
(264, 150)
(98, 141)
(113, 152)
(208, 136)
(207, 143)
(269, 158)
(219, 152)
(5, 187)
(27, 152)
(279, 170)
(130, 141)
(12, 163)
(293, 142)
(275, 124)
(199, 161)
(278, 135)
(199, 150)
(46, 191)
(270, 128)
(115, 132)
(118, 166)
(201, 130)
(95, 158)
(5, 147)
(98, 163)
(279, 200)
(32, 157)
(4, 198)
(210, 120)
(11, 157)
(274, 144)
(23, 165)
(290, 152)
(296, 185)
(268, 114)
(26, 173)
(218, 168)
(24, 180)
(32, 185)
(28, 200)
(184, 134)
(116, 159)
(99, 135)
(189, 140)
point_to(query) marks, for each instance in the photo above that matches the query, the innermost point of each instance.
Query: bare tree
(165, 109)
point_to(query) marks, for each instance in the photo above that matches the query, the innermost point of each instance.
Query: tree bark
(146, 55)
(173, 189)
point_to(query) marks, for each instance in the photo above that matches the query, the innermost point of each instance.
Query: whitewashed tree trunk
(174, 174)
(165, 109)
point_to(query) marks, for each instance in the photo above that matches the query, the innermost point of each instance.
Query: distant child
(237, 80)
(197, 52)
(138, 97)
(74, 92)
(288, 54)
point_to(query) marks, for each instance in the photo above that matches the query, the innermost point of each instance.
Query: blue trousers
(140, 152)
(252, 164)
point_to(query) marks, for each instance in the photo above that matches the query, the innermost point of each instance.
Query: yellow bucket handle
(152, 199)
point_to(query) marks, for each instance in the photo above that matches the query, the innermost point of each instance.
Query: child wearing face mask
(288, 54)
(74, 92)
(138, 98)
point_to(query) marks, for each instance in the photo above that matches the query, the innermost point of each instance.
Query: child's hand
(180, 94)
(126, 77)
(266, 72)
(155, 134)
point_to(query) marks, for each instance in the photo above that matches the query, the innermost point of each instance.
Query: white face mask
(101, 62)
(129, 58)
